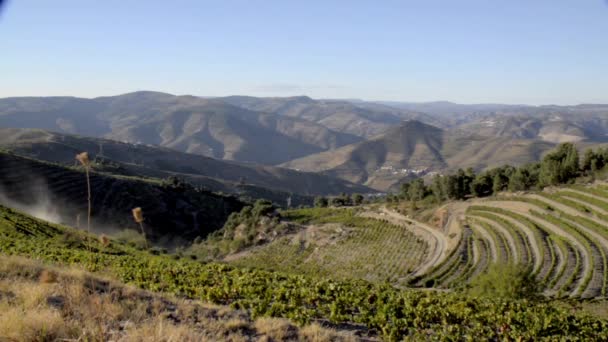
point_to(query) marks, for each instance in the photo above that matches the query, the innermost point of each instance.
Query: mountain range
(339, 143)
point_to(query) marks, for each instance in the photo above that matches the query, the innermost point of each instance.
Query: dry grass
(41, 303)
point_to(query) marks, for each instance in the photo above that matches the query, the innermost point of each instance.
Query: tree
(451, 186)
(593, 161)
(357, 199)
(438, 188)
(518, 181)
(417, 190)
(345, 199)
(499, 182)
(559, 166)
(321, 202)
(482, 185)
(337, 201)
(405, 191)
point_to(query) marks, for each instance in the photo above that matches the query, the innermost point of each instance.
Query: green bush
(508, 281)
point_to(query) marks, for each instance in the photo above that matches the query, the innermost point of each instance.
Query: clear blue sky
(469, 51)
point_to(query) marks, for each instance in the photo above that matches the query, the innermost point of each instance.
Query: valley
(303, 171)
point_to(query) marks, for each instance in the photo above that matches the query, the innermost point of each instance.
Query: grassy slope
(393, 313)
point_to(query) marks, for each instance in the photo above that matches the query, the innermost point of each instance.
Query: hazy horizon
(318, 98)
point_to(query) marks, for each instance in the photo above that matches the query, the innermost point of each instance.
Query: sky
(466, 51)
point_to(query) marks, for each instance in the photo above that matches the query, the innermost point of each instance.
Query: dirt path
(437, 241)
(452, 228)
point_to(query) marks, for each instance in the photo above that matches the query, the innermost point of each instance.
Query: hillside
(355, 305)
(554, 128)
(158, 162)
(218, 130)
(480, 152)
(174, 214)
(403, 151)
(415, 149)
(341, 244)
(47, 303)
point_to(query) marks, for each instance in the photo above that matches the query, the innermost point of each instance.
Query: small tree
(518, 180)
(482, 185)
(337, 201)
(559, 166)
(321, 202)
(357, 199)
(417, 190)
(499, 183)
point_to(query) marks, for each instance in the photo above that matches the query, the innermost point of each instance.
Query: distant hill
(549, 127)
(359, 118)
(592, 119)
(401, 152)
(152, 161)
(191, 124)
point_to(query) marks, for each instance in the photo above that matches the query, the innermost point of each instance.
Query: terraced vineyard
(391, 313)
(343, 245)
(562, 234)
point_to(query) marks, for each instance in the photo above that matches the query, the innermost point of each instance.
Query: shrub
(506, 281)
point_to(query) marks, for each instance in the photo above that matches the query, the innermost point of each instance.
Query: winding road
(438, 242)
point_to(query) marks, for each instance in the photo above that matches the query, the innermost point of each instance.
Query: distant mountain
(358, 118)
(207, 127)
(404, 151)
(549, 127)
(591, 117)
(152, 161)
